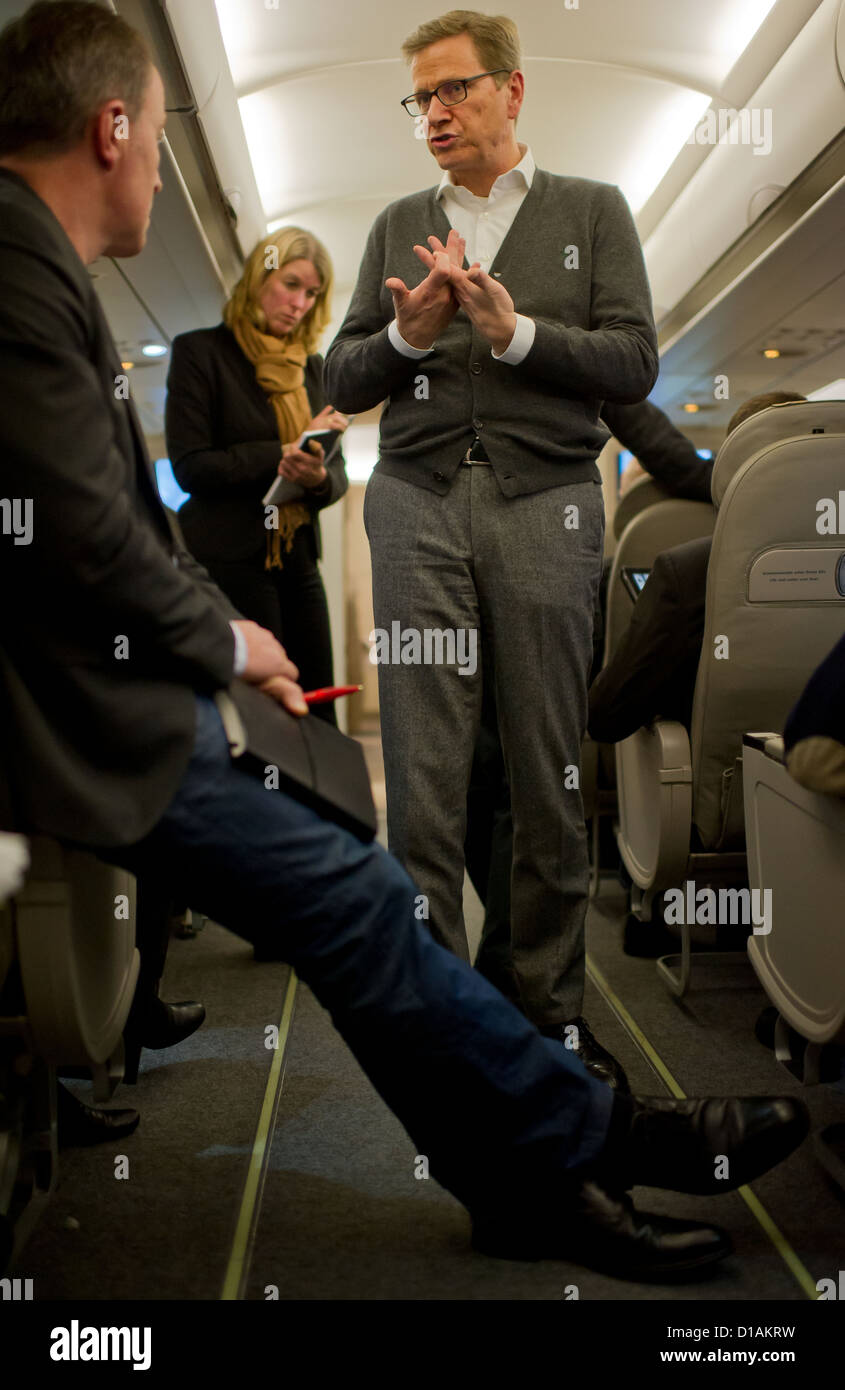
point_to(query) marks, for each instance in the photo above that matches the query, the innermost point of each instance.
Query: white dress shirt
(241, 651)
(484, 223)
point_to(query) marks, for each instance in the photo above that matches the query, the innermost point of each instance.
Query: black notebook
(317, 764)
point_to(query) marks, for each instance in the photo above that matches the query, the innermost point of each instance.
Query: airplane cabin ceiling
(613, 88)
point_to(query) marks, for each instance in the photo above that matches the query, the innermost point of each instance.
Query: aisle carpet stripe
(238, 1268)
(755, 1206)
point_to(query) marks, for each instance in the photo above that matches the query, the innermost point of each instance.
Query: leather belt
(476, 453)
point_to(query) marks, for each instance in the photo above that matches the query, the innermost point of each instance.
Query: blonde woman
(239, 396)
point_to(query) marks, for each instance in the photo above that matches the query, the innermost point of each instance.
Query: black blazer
(107, 626)
(653, 670)
(223, 443)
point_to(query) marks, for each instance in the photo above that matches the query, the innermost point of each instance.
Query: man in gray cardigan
(485, 513)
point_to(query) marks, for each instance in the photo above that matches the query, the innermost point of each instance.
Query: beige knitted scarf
(280, 371)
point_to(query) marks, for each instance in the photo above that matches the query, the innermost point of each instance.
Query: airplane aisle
(331, 1208)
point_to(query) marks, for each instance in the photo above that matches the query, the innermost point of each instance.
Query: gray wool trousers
(522, 575)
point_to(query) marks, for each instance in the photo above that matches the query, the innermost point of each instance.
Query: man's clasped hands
(423, 313)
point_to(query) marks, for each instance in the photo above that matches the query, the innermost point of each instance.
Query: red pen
(329, 692)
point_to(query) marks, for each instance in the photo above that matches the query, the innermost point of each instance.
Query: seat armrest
(654, 779)
(770, 744)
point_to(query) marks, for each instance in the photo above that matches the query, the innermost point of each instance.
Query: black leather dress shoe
(82, 1125)
(604, 1232)
(704, 1146)
(598, 1061)
(161, 1025)
(165, 1025)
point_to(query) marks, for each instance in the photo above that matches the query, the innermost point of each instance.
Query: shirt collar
(523, 172)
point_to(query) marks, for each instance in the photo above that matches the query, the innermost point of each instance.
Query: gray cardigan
(595, 341)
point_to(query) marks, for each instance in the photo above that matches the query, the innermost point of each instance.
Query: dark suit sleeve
(616, 358)
(60, 448)
(662, 450)
(199, 465)
(189, 565)
(653, 670)
(336, 484)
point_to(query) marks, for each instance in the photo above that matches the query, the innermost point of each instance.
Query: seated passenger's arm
(661, 449)
(642, 679)
(200, 466)
(188, 565)
(814, 734)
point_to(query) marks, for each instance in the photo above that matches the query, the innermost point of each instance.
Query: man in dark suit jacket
(654, 667)
(129, 756)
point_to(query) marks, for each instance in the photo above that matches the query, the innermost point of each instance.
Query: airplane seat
(648, 520)
(68, 969)
(642, 493)
(74, 924)
(796, 854)
(657, 522)
(773, 611)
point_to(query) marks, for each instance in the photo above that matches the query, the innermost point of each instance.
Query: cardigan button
(476, 368)
(439, 477)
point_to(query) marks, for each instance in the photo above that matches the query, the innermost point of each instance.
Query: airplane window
(168, 489)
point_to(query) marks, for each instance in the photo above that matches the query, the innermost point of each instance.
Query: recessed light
(154, 350)
(691, 408)
(127, 366)
(771, 352)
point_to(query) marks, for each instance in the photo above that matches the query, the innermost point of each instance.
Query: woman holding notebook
(240, 396)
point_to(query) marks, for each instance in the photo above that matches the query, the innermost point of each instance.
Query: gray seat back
(796, 854)
(665, 522)
(773, 608)
(75, 938)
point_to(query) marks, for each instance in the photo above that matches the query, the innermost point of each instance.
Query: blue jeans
(503, 1114)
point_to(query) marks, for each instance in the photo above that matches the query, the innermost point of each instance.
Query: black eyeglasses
(448, 93)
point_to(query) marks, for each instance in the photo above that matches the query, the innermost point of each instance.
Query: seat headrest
(641, 494)
(770, 426)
